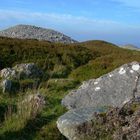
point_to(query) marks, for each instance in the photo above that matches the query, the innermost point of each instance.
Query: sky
(116, 21)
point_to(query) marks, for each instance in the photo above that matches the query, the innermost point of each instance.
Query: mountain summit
(34, 32)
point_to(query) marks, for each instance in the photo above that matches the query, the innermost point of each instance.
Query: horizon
(115, 21)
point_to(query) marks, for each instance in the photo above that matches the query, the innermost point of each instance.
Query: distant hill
(34, 32)
(130, 47)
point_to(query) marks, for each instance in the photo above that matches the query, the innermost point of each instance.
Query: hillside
(33, 32)
(109, 57)
(64, 67)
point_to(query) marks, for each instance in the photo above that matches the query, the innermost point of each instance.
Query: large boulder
(113, 89)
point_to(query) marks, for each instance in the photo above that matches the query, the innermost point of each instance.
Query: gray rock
(77, 124)
(8, 73)
(33, 32)
(6, 86)
(12, 76)
(9, 86)
(112, 89)
(21, 71)
(29, 70)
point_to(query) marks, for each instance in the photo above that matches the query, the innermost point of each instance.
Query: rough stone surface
(6, 85)
(111, 124)
(21, 71)
(113, 89)
(33, 32)
(8, 73)
(75, 124)
(11, 77)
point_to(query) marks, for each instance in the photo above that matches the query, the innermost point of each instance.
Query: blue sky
(117, 21)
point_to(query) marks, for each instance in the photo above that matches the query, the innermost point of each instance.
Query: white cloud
(80, 28)
(53, 18)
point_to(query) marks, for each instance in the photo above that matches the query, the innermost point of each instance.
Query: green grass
(65, 67)
(43, 126)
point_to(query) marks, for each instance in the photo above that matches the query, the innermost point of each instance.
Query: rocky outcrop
(21, 71)
(33, 32)
(21, 75)
(113, 89)
(117, 89)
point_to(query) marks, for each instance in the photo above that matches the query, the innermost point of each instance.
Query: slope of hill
(109, 57)
(65, 66)
(33, 32)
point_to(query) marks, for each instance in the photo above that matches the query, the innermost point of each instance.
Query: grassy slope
(109, 58)
(75, 63)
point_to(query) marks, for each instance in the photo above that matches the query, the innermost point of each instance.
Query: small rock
(6, 86)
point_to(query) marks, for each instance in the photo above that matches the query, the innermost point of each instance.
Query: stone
(28, 70)
(9, 86)
(8, 73)
(106, 123)
(21, 71)
(21, 76)
(6, 86)
(112, 89)
(77, 124)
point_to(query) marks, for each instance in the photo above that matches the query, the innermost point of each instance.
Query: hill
(65, 67)
(33, 32)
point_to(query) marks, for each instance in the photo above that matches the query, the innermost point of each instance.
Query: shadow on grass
(30, 130)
